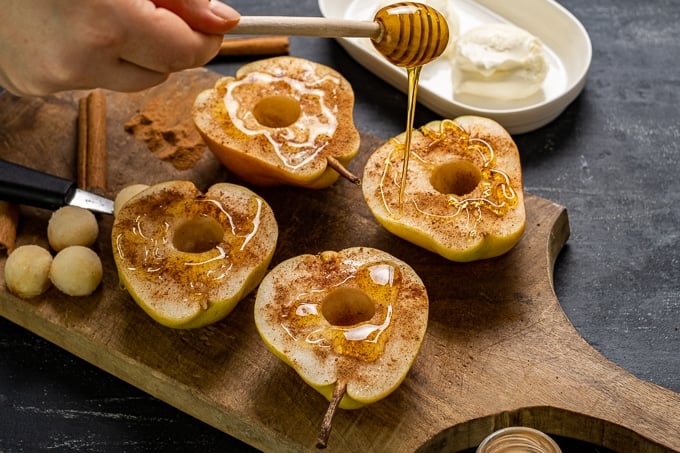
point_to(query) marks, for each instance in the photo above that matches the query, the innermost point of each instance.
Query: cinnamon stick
(9, 221)
(92, 141)
(254, 46)
(81, 179)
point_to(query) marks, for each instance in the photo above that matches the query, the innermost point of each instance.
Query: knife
(27, 186)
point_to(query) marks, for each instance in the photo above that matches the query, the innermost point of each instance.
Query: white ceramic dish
(566, 42)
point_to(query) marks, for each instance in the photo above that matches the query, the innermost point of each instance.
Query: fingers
(158, 41)
(165, 43)
(161, 40)
(143, 43)
(206, 16)
(126, 45)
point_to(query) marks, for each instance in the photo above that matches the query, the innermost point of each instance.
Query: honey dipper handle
(306, 26)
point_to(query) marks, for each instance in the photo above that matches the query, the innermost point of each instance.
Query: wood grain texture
(499, 350)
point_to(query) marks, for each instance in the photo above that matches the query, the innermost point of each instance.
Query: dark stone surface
(611, 158)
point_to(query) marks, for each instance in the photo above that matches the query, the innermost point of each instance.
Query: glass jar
(518, 439)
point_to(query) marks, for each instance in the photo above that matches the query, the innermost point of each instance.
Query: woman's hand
(125, 45)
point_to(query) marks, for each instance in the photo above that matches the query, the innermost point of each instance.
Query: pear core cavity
(197, 235)
(347, 307)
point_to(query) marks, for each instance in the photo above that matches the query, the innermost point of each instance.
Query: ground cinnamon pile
(254, 46)
(165, 125)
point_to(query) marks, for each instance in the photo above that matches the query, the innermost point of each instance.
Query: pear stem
(345, 173)
(338, 392)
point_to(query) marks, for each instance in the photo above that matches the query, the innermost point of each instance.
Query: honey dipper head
(412, 34)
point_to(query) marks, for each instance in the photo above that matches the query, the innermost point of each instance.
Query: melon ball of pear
(72, 225)
(125, 194)
(76, 271)
(27, 271)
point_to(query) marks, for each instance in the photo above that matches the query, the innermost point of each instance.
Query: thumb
(206, 16)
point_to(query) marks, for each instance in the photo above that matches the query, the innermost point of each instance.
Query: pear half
(463, 197)
(188, 258)
(350, 323)
(282, 120)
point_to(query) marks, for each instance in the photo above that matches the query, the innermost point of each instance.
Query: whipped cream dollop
(500, 61)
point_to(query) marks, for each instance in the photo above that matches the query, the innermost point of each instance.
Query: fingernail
(224, 11)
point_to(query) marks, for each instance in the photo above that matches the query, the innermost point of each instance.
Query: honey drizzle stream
(413, 78)
(412, 34)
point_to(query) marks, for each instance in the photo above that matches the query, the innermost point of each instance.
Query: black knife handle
(31, 187)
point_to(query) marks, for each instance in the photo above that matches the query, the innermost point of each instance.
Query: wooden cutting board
(499, 349)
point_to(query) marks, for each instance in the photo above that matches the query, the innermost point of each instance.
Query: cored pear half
(350, 323)
(281, 121)
(187, 258)
(463, 195)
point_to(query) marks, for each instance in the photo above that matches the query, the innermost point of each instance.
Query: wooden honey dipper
(408, 34)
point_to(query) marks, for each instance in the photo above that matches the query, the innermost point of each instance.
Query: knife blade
(27, 186)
